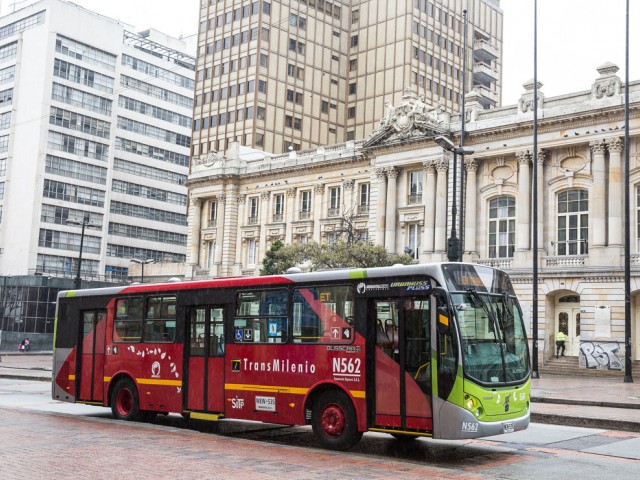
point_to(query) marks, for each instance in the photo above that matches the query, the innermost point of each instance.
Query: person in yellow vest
(560, 339)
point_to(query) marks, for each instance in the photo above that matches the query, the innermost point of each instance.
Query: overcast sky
(574, 36)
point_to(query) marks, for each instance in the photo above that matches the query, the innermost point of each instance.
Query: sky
(574, 36)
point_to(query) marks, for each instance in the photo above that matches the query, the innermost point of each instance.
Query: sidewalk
(594, 402)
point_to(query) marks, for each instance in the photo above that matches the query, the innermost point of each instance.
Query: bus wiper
(490, 313)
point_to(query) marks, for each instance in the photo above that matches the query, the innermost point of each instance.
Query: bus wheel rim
(333, 420)
(124, 401)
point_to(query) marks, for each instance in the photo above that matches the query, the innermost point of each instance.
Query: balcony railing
(304, 215)
(253, 220)
(363, 209)
(212, 223)
(414, 199)
(334, 212)
(278, 218)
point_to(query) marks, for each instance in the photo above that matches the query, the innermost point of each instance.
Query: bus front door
(91, 367)
(402, 363)
(205, 383)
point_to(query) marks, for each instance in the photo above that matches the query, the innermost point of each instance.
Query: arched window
(573, 223)
(502, 227)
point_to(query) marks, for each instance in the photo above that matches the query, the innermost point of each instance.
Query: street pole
(78, 280)
(534, 372)
(462, 132)
(628, 378)
(453, 245)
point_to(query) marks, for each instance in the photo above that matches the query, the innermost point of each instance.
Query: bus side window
(160, 321)
(128, 324)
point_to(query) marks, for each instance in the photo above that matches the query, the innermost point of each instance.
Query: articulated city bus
(434, 350)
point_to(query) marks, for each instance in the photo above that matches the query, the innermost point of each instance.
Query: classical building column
(599, 200)
(440, 234)
(231, 230)
(390, 227)
(349, 207)
(241, 199)
(471, 218)
(542, 191)
(616, 188)
(264, 220)
(429, 199)
(196, 225)
(382, 206)
(220, 232)
(523, 235)
(289, 215)
(318, 192)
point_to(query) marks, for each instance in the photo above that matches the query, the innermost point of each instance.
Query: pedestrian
(21, 346)
(560, 339)
(27, 344)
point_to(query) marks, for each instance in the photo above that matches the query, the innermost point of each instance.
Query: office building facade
(296, 74)
(95, 132)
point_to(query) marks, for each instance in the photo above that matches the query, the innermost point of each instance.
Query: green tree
(339, 254)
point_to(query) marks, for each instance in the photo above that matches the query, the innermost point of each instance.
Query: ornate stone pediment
(608, 84)
(412, 119)
(209, 160)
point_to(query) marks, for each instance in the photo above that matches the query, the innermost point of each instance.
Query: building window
(253, 210)
(324, 106)
(296, 46)
(351, 135)
(502, 227)
(305, 204)
(213, 214)
(334, 201)
(278, 207)
(252, 251)
(355, 16)
(353, 64)
(363, 199)
(293, 122)
(414, 232)
(264, 60)
(298, 21)
(415, 187)
(295, 97)
(351, 112)
(573, 223)
(354, 41)
(352, 88)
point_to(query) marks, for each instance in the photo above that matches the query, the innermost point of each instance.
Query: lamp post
(453, 243)
(142, 263)
(85, 223)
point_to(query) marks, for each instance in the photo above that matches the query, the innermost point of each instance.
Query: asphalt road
(42, 438)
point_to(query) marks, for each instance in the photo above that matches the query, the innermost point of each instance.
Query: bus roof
(433, 269)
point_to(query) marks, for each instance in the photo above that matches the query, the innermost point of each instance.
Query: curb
(569, 421)
(27, 377)
(584, 403)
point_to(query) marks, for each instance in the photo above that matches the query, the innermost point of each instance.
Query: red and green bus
(437, 350)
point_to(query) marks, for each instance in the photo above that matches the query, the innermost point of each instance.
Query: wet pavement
(583, 401)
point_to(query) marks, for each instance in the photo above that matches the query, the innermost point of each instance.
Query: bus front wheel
(124, 400)
(334, 421)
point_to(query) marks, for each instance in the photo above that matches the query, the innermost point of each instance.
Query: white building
(398, 185)
(95, 125)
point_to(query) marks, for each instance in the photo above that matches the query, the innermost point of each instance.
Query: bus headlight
(478, 412)
(471, 402)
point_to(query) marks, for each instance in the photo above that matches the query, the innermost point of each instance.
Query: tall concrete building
(95, 126)
(294, 74)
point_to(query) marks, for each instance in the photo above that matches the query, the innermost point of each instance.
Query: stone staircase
(569, 366)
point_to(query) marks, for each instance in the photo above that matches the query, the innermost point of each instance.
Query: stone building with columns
(397, 186)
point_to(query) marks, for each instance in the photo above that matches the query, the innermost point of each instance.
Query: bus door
(402, 362)
(91, 356)
(205, 384)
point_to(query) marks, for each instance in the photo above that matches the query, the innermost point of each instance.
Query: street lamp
(142, 263)
(453, 244)
(85, 223)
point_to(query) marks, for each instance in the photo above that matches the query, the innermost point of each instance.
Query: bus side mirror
(443, 314)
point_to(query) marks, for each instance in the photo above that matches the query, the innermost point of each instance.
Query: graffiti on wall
(601, 355)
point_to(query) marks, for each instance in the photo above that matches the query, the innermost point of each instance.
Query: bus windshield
(494, 342)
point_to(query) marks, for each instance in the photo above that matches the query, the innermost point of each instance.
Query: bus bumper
(458, 423)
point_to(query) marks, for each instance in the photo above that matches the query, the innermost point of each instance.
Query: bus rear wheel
(334, 421)
(124, 400)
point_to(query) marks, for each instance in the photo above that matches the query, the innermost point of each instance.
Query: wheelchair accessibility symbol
(239, 334)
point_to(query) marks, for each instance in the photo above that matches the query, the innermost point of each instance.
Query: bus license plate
(507, 427)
